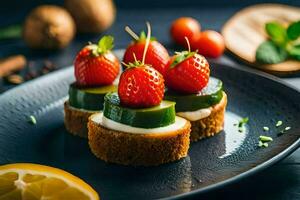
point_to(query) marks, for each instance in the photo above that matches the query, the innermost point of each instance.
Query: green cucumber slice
(89, 98)
(153, 117)
(208, 96)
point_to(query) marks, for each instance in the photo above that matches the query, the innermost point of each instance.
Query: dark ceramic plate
(211, 163)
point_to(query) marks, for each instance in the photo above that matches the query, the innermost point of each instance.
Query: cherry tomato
(185, 27)
(210, 43)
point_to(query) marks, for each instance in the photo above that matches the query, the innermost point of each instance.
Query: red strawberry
(157, 56)
(96, 65)
(141, 86)
(188, 72)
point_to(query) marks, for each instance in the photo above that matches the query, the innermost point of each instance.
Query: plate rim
(291, 148)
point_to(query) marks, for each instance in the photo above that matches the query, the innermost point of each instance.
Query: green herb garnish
(263, 141)
(269, 53)
(265, 138)
(282, 43)
(32, 119)
(279, 123)
(243, 121)
(265, 128)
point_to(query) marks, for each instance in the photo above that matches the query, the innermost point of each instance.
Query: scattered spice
(32, 119)
(279, 123)
(14, 79)
(266, 128)
(11, 64)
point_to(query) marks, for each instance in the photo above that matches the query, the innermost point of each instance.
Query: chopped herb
(284, 130)
(266, 128)
(279, 123)
(260, 143)
(32, 119)
(265, 138)
(265, 145)
(243, 121)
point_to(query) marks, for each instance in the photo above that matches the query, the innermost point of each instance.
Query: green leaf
(243, 121)
(276, 32)
(105, 44)
(10, 32)
(293, 31)
(181, 56)
(269, 53)
(143, 36)
(294, 52)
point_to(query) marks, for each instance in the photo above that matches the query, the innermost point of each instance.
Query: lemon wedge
(24, 181)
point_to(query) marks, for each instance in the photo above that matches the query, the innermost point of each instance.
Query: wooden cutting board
(244, 32)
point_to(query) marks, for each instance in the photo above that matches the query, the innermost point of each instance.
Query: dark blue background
(275, 182)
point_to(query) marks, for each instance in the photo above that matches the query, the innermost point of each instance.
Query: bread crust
(138, 149)
(76, 120)
(211, 125)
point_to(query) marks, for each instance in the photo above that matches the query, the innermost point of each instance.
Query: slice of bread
(76, 120)
(138, 149)
(212, 124)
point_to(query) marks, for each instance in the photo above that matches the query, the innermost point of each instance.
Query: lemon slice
(25, 181)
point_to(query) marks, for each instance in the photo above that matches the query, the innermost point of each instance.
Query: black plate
(211, 163)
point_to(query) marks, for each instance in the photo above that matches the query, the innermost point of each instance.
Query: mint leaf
(294, 52)
(293, 31)
(269, 53)
(276, 32)
(105, 44)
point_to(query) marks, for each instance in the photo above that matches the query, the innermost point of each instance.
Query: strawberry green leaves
(181, 56)
(269, 53)
(106, 43)
(282, 43)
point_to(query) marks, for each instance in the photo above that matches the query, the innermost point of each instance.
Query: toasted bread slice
(76, 120)
(138, 149)
(212, 124)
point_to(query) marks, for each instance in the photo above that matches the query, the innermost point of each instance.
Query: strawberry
(96, 65)
(141, 86)
(188, 72)
(157, 56)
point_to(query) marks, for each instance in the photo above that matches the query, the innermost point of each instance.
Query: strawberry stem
(131, 33)
(147, 41)
(188, 43)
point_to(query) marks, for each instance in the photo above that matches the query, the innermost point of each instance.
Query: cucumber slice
(208, 96)
(153, 117)
(89, 98)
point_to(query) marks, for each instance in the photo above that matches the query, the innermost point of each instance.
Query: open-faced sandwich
(96, 68)
(199, 98)
(136, 126)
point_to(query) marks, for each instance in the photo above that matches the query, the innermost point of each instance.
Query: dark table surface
(281, 181)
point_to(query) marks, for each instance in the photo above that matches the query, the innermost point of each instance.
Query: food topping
(157, 56)
(96, 65)
(140, 85)
(188, 72)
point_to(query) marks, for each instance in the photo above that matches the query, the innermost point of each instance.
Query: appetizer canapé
(96, 68)
(137, 127)
(199, 98)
